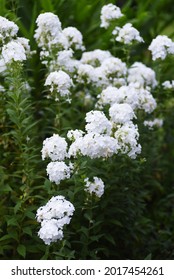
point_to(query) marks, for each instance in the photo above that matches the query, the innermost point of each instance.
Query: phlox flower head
(161, 46)
(74, 134)
(95, 58)
(97, 123)
(60, 82)
(48, 29)
(142, 75)
(127, 136)
(74, 37)
(96, 187)
(121, 113)
(53, 216)
(8, 29)
(127, 34)
(54, 147)
(58, 171)
(94, 145)
(109, 13)
(13, 52)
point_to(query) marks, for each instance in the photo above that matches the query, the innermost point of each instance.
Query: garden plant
(87, 134)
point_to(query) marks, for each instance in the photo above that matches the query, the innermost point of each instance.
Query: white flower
(50, 232)
(95, 58)
(109, 13)
(58, 171)
(141, 74)
(25, 43)
(74, 38)
(74, 134)
(53, 216)
(96, 187)
(127, 136)
(8, 29)
(97, 123)
(94, 145)
(59, 81)
(13, 51)
(121, 113)
(156, 122)
(161, 46)
(86, 74)
(48, 29)
(66, 61)
(168, 84)
(127, 34)
(55, 148)
(114, 68)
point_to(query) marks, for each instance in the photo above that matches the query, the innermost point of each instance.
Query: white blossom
(13, 51)
(161, 46)
(59, 81)
(127, 34)
(48, 29)
(96, 187)
(53, 216)
(97, 123)
(121, 113)
(74, 134)
(74, 37)
(127, 136)
(109, 13)
(58, 171)
(95, 58)
(141, 74)
(8, 29)
(94, 145)
(54, 147)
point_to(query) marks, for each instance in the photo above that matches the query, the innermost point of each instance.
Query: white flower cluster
(55, 148)
(133, 94)
(60, 82)
(99, 141)
(127, 34)
(161, 46)
(13, 49)
(51, 38)
(142, 75)
(155, 123)
(8, 29)
(109, 13)
(53, 216)
(168, 84)
(96, 187)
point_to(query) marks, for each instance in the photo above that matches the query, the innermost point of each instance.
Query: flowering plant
(80, 135)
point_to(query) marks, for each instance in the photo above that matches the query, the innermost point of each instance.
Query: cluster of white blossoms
(161, 46)
(154, 123)
(127, 34)
(8, 30)
(60, 83)
(55, 148)
(109, 13)
(96, 187)
(133, 94)
(97, 123)
(51, 38)
(142, 75)
(168, 84)
(53, 216)
(13, 49)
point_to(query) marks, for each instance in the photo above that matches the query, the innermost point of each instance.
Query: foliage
(134, 217)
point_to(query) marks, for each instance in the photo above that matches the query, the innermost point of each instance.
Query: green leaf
(21, 249)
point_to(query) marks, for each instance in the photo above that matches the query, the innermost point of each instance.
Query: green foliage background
(135, 217)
